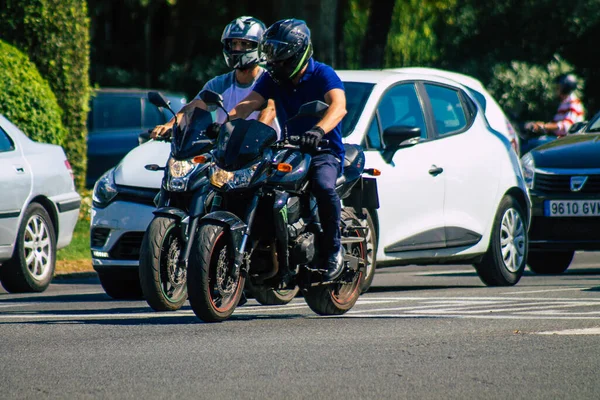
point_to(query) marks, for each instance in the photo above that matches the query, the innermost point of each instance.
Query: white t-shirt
(233, 92)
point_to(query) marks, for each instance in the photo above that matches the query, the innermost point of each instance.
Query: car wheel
(552, 262)
(504, 262)
(32, 265)
(121, 284)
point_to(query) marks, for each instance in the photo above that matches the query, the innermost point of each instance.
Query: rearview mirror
(313, 109)
(399, 136)
(211, 98)
(158, 99)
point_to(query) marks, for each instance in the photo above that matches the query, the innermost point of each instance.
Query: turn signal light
(372, 171)
(284, 167)
(199, 160)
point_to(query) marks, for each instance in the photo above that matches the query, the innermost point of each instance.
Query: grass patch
(76, 257)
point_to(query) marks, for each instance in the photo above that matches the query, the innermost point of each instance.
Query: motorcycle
(263, 223)
(185, 189)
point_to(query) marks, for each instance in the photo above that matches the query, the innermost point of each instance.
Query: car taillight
(70, 169)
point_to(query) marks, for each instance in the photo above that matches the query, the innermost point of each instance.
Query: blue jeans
(324, 170)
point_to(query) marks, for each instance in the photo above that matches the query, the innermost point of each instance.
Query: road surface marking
(586, 331)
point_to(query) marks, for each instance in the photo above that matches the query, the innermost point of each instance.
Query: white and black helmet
(244, 28)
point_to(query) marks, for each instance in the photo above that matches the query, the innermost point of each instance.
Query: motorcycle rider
(569, 111)
(240, 40)
(295, 78)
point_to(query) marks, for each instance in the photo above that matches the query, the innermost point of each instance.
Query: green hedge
(55, 35)
(26, 98)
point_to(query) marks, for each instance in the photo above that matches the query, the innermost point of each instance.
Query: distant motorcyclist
(240, 41)
(295, 78)
(569, 111)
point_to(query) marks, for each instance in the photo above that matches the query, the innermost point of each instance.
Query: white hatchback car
(453, 195)
(39, 208)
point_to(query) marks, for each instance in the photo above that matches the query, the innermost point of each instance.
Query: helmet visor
(275, 50)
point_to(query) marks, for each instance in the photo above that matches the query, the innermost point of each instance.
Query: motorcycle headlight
(235, 179)
(528, 167)
(105, 189)
(180, 168)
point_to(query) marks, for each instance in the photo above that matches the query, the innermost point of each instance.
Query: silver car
(39, 208)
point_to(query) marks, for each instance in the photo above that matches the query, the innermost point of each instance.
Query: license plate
(572, 208)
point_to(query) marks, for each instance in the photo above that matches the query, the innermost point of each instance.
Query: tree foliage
(26, 98)
(55, 34)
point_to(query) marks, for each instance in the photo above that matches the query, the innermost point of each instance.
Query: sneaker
(335, 265)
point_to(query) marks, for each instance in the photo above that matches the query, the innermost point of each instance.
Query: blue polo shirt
(317, 80)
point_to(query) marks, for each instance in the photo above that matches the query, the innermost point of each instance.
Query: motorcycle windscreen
(242, 142)
(191, 140)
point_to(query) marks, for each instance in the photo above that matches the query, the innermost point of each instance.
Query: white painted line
(448, 272)
(547, 290)
(518, 317)
(587, 331)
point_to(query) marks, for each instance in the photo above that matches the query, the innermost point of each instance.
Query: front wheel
(162, 278)
(336, 299)
(552, 262)
(504, 262)
(213, 293)
(274, 297)
(32, 265)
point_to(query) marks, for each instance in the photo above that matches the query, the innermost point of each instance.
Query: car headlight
(235, 179)
(180, 168)
(528, 167)
(105, 189)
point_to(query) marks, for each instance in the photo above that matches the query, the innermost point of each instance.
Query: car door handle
(435, 170)
(19, 169)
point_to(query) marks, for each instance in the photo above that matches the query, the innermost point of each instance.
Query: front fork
(238, 256)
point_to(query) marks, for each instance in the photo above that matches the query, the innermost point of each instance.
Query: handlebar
(295, 140)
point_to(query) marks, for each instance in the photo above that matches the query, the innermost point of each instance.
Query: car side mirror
(577, 127)
(399, 136)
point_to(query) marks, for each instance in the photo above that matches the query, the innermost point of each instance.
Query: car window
(356, 97)
(400, 106)
(447, 109)
(374, 136)
(6, 143)
(116, 112)
(152, 115)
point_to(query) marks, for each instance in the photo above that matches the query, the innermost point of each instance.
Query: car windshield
(357, 94)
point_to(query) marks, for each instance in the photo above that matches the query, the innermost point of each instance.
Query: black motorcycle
(181, 201)
(263, 223)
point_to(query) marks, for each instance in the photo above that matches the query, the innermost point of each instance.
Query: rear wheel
(32, 265)
(504, 262)
(369, 223)
(213, 293)
(162, 278)
(121, 285)
(551, 262)
(336, 299)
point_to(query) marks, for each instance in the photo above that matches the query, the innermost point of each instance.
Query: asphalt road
(420, 333)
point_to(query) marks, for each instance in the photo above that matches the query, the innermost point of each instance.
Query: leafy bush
(26, 98)
(527, 91)
(55, 34)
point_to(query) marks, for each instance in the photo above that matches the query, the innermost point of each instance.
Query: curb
(74, 275)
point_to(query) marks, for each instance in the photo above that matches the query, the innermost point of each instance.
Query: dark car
(564, 181)
(116, 119)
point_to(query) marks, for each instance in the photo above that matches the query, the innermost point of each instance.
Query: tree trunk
(378, 27)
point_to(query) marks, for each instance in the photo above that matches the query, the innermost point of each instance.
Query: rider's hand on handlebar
(161, 131)
(311, 138)
(535, 127)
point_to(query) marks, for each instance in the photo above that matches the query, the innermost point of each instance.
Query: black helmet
(244, 28)
(286, 47)
(567, 83)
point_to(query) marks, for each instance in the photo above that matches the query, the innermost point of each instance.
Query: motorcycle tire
(163, 284)
(213, 293)
(337, 299)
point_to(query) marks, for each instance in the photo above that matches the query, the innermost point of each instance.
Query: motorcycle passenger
(569, 111)
(240, 40)
(295, 78)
